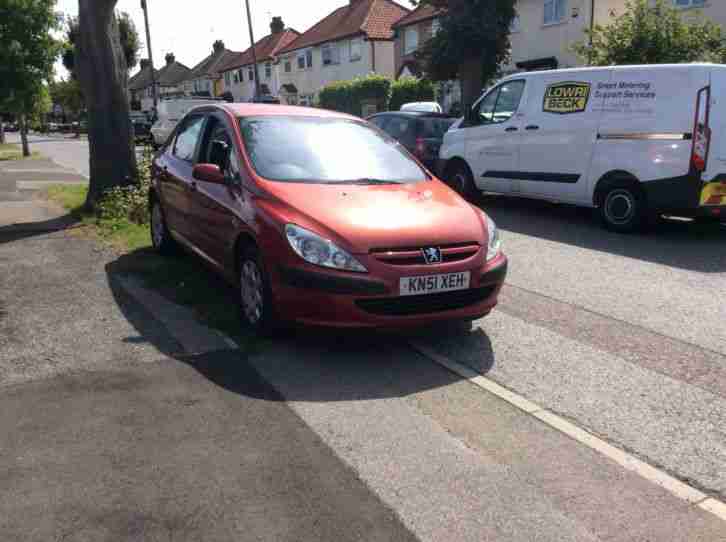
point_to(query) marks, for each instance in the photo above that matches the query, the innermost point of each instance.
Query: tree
(471, 45)
(27, 53)
(130, 42)
(101, 69)
(652, 34)
(67, 93)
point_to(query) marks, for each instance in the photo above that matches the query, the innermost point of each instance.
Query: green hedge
(410, 89)
(347, 96)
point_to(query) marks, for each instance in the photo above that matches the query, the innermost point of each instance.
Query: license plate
(431, 284)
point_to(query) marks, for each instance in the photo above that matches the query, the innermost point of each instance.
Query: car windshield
(325, 150)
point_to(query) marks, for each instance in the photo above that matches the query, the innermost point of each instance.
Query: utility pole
(151, 55)
(254, 53)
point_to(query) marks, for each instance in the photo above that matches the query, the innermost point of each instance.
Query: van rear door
(717, 153)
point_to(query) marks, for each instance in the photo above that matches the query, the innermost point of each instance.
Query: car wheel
(255, 295)
(623, 209)
(161, 239)
(459, 178)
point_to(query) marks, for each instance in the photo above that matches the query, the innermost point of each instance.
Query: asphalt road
(623, 335)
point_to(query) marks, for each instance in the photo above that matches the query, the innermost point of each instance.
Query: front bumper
(315, 297)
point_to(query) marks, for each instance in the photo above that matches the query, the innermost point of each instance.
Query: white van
(170, 112)
(633, 141)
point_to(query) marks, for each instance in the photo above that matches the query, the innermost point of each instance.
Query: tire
(623, 208)
(256, 305)
(458, 177)
(161, 238)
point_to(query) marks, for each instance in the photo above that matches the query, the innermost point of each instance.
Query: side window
(379, 121)
(219, 149)
(401, 129)
(187, 138)
(501, 103)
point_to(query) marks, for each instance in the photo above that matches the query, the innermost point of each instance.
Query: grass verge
(9, 151)
(181, 278)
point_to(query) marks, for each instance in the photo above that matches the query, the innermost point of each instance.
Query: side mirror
(209, 173)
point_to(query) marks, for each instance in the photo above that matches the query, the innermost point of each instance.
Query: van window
(501, 103)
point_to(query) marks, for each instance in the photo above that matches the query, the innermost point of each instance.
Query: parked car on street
(421, 133)
(633, 141)
(12, 127)
(168, 114)
(321, 219)
(141, 125)
(422, 107)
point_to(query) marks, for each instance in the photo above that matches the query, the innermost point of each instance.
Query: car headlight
(495, 243)
(318, 251)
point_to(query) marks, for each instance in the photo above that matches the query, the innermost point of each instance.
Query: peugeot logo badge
(432, 255)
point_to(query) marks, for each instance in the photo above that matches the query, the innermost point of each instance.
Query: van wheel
(623, 208)
(459, 178)
(255, 295)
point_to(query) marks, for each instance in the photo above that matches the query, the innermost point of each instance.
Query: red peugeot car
(320, 218)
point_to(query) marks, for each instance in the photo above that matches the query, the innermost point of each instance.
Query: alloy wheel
(252, 292)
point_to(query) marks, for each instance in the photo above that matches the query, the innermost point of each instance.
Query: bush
(347, 96)
(410, 89)
(129, 203)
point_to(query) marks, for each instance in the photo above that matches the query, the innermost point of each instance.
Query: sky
(188, 28)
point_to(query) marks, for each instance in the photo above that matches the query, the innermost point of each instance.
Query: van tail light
(420, 147)
(701, 130)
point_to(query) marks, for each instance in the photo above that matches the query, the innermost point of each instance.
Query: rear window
(324, 150)
(435, 128)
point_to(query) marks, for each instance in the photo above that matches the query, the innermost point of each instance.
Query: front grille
(414, 256)
(425, 304)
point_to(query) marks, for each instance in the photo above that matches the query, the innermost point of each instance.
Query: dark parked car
(421, 133)
(142, 127)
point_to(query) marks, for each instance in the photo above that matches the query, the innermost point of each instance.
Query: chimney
(277, 26)
(218, 46)
(170, 59)
(144, 63)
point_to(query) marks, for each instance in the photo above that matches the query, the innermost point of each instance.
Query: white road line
(666, 481)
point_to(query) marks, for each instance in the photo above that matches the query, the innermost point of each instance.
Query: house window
(356, 48)
(410, 38)
(688, 3)
(435, 27)
(554, 11)
(516, 25)
(288, 65)
(309, 58)
(227, 78)
(301, 61)
(240, 75)
(331, 54)
(268, 70)
(251, 73)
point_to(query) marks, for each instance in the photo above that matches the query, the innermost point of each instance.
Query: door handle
(511, 129)
(532, 127)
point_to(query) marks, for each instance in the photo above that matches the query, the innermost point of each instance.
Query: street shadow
(678, 243)
(312, 364)
(25, 230)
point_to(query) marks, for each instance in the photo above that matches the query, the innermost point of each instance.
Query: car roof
(430, 114)
(262, 110)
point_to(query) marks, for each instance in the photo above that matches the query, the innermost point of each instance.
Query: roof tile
(421, 13)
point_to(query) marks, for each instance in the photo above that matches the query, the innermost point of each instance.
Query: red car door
(175, 175)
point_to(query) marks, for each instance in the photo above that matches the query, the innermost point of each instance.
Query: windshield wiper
(366, 181)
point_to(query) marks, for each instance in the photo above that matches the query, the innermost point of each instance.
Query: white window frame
(410, 45)
(516, 25)
(558, 12)
(689, 4)
(356, 49)
(334, 56)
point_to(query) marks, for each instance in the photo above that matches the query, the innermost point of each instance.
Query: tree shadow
(303, 363)
(674, 242)
(24, 230)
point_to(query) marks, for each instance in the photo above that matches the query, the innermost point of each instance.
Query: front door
(560, 126)
(493, 137)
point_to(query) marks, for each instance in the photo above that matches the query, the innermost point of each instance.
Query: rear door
(717, 120)
(176, 175)
(560, 126)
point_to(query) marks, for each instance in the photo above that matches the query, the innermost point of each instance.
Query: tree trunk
(472, 81)
(103, 77)
(24, 135)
